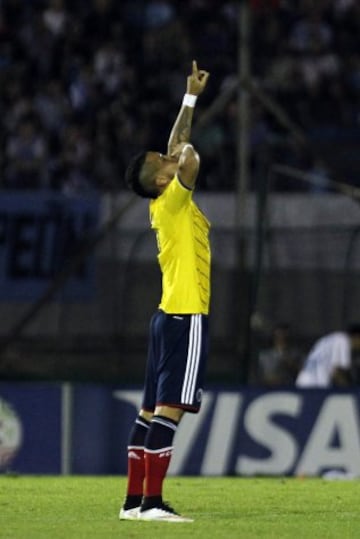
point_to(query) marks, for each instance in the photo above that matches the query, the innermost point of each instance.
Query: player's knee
(146, 414)
(169, 411)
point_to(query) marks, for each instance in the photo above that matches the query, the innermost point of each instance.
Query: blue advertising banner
(242, 432)
(39, 232)
(30, 428)
(250, 432)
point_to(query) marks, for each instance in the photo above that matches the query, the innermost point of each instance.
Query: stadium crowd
(86, 83)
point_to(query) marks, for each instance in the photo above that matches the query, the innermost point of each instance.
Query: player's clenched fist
(197, 81)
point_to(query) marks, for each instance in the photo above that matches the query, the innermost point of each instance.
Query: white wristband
(189, 100)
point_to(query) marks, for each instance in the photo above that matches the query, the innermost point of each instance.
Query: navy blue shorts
(177, 358)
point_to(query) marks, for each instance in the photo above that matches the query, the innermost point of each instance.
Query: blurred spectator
(52, 107)
(330, 360)
(26, 154)
(55, 17)
(76, 160)
(311, 33)
(279, 364)
(108, 68)
(81, 92)
(158, 13)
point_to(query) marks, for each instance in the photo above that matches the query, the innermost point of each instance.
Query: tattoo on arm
(182, 127)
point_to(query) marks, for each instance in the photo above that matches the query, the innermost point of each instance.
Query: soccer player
(178, 343)
(329, 363)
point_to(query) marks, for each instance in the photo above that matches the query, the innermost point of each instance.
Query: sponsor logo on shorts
(199, 395)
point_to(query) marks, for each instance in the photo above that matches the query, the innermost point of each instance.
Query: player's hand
(197, 81)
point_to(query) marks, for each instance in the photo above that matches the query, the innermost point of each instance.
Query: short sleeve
(176, 196)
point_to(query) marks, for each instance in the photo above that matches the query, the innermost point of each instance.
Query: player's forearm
(181, 129)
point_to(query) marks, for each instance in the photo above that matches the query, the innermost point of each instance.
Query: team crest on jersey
(10, 434)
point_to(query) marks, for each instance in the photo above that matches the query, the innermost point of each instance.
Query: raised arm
(178, 145)
(181, 130)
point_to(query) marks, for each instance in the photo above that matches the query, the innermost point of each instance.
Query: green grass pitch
(74, 507)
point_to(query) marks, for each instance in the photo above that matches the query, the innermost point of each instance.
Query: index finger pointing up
(194, 67)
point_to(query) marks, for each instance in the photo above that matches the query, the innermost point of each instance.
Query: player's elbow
(189, 164)
(189, 157)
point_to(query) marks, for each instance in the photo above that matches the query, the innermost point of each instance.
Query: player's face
(163, 167)
(161, 161)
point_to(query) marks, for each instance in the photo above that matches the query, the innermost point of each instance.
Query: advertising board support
(66, 427)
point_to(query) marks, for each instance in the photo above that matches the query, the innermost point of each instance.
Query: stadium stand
(84, 84)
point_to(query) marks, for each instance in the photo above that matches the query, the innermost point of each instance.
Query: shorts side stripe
(196, 357)
(189, 359)
(192, 362)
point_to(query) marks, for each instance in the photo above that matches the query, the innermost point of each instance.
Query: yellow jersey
(182, 232)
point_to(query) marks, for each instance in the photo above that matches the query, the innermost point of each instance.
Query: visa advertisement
(240, 432)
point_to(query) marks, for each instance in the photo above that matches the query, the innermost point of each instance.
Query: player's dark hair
(132, 177)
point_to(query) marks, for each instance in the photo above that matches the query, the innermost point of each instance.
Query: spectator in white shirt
(329, 362)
